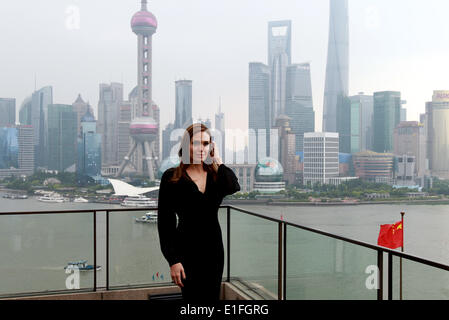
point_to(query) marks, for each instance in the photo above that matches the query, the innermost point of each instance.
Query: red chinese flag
(391, 235)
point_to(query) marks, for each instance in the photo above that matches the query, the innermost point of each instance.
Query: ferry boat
(80, 200)
(149, 217)
(139, 201)
(81, 265)
(54, 198)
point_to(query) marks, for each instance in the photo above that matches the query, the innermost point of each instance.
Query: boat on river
(13, 196)
(149, 217)
(51, 198)
(139, 201)
(81, 266)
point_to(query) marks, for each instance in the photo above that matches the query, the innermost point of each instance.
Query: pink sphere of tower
(144, 22)
(144, 129)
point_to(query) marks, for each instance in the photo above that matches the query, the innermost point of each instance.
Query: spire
(219, 106)
(144, 5)
(79, 99)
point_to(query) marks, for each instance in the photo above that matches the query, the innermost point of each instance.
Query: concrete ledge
(228, 292)
(231, 292)
(252, 291)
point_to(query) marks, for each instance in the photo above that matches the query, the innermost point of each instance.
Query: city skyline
(318, 144)
(408, 57)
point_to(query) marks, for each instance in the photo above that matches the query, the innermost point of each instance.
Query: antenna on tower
(144, 5)
(219, 105)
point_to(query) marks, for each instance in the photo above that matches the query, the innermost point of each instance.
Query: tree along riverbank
(332, 203)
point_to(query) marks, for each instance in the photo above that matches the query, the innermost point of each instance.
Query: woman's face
(199, 147)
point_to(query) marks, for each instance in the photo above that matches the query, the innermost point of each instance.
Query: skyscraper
(80, 107)
(354, 123)
(337, 70)
(321, 160)
(62, 137)
(279, 57)
(403, 113)
(26, 149)
(16, 150)
(183, 116)
(344, 124)
(183, 108)
(157, 144)
(7, 112)
(299, 103)
(89, 147)
(144, 128)
(287, 148)
(220, 127)
(386, 116)
(25, 112)
(439, 126)
(111, 98)
(409, 139)
(260, 116)
(428, 127)
(167, 143)
(9, 148)
(40, 100)
(124, 138)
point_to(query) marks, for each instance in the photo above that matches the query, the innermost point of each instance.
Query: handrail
(338, 237)
(74, 211)
(282, 244)
(357, 242)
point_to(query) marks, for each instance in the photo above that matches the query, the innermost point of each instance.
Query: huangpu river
(34, 249)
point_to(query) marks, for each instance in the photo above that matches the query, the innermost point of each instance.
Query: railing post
(228, 240)
(380, 267)
(95, 250)
(107, 250)
(390, 276)
(280, 264)
(284, 296)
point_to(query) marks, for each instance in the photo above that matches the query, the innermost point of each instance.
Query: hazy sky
(399, 45)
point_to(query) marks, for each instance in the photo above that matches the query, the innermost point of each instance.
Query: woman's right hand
(176, 271)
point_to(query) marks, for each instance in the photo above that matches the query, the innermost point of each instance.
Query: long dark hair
(186, 159)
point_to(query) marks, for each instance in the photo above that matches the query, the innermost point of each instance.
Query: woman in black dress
(193, 191)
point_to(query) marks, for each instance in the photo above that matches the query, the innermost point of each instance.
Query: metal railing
(282, 254)
(281, 250)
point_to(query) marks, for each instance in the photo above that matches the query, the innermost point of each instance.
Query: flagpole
(402, 250)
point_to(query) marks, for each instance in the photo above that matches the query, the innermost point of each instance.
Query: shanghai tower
(337, 70)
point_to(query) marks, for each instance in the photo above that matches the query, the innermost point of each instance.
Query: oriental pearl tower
(143, 128)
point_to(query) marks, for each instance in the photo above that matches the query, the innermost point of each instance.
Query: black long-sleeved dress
(196, 242)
